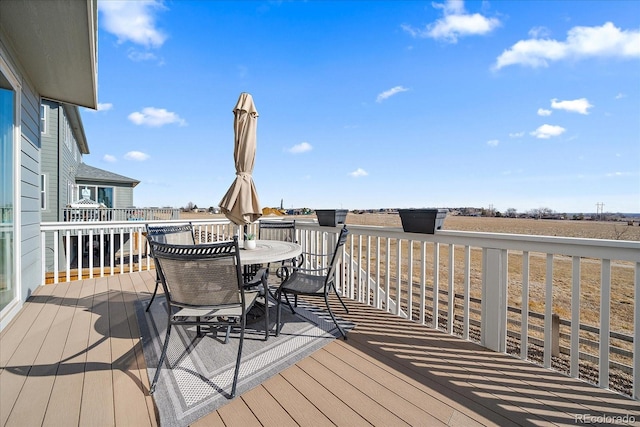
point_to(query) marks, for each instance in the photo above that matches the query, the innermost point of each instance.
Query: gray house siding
(123, 197)
(49, 162)
(31, 265)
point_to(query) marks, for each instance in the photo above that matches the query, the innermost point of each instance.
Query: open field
(566, 228)
(547, 227)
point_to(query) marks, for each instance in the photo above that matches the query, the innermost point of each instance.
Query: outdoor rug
(202, 368)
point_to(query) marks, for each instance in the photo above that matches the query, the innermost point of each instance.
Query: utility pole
(600, 210)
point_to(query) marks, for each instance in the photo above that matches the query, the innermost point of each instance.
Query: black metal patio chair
(284, 231)
(314, 282)
(203, 285)
(173, 234)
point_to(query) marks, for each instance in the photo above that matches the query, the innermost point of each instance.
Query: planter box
(425, 221)
(331, 217)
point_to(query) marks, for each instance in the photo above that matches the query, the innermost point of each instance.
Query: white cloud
(547, 131)
(358, 173)
(621, 95)
(155, 117)
(303, 147)
(581, 42)
(389, 93)
(516, 134)
(137, 156)
(133, 21)
(455, 23)
(138, 56)
(109, 158)
(537, 32)
(104, 107)
(493, 143)
(543, 112)
(581, 105)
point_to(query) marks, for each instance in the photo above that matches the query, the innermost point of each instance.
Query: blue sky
(510, 104)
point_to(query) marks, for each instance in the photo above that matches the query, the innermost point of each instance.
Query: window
(97, 194)
(66, 133)
(43, 192)
(9, 119)
(43, 119)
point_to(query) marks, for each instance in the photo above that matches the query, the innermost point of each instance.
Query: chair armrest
(316, 255)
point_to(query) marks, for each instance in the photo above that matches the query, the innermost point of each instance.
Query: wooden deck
(73, 357)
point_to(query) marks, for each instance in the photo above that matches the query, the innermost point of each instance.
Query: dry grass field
(546, 227)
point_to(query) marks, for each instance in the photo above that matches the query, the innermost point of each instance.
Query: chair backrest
(284, 231)
(337, 254)
(201, 275)
(172, 234)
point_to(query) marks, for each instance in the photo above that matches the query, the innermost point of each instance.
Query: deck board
(73, 356)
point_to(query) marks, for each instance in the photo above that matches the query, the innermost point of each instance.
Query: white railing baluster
(90, 254)
(574, 368)
(112, 255)
(79, 254)
(102, 252)
(387, 281)
(636, 334)
(467, 292)
(377, 288)
(436, 284)
(68, 257)
(368, 270)
(548, 312)
(410, 280)
(56, 261)
(451, 311)
(398, 277)
(423, 281)
(605, 322)
(524, 327)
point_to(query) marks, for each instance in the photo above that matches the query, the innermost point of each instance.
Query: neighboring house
(64, 175)
(63, 144)
(48, 50)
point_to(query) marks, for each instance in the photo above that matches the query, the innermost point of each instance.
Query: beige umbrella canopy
(241, 204)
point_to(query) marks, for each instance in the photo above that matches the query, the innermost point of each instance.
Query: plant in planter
(249, 241)
(425, 221)
(331, 217)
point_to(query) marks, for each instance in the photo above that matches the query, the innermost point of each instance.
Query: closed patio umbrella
(241, 204)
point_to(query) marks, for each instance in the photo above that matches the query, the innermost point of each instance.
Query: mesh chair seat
(303, 283)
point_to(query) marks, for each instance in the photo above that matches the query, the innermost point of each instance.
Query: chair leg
(339, 298)
(243, 322)
(165, 346)
(265, 284)
(278, 303)
(342, 332)
(155, 291)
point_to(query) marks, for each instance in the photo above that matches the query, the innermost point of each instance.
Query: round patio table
(267, 251)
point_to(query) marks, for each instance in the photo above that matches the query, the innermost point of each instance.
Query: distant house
(64, 175)
(48, 51)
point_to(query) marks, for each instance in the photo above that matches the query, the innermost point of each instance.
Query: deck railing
(119, 214)
(546, 299)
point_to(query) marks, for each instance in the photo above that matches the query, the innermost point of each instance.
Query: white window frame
(44, 120)
(43, 192)
(14, 306)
